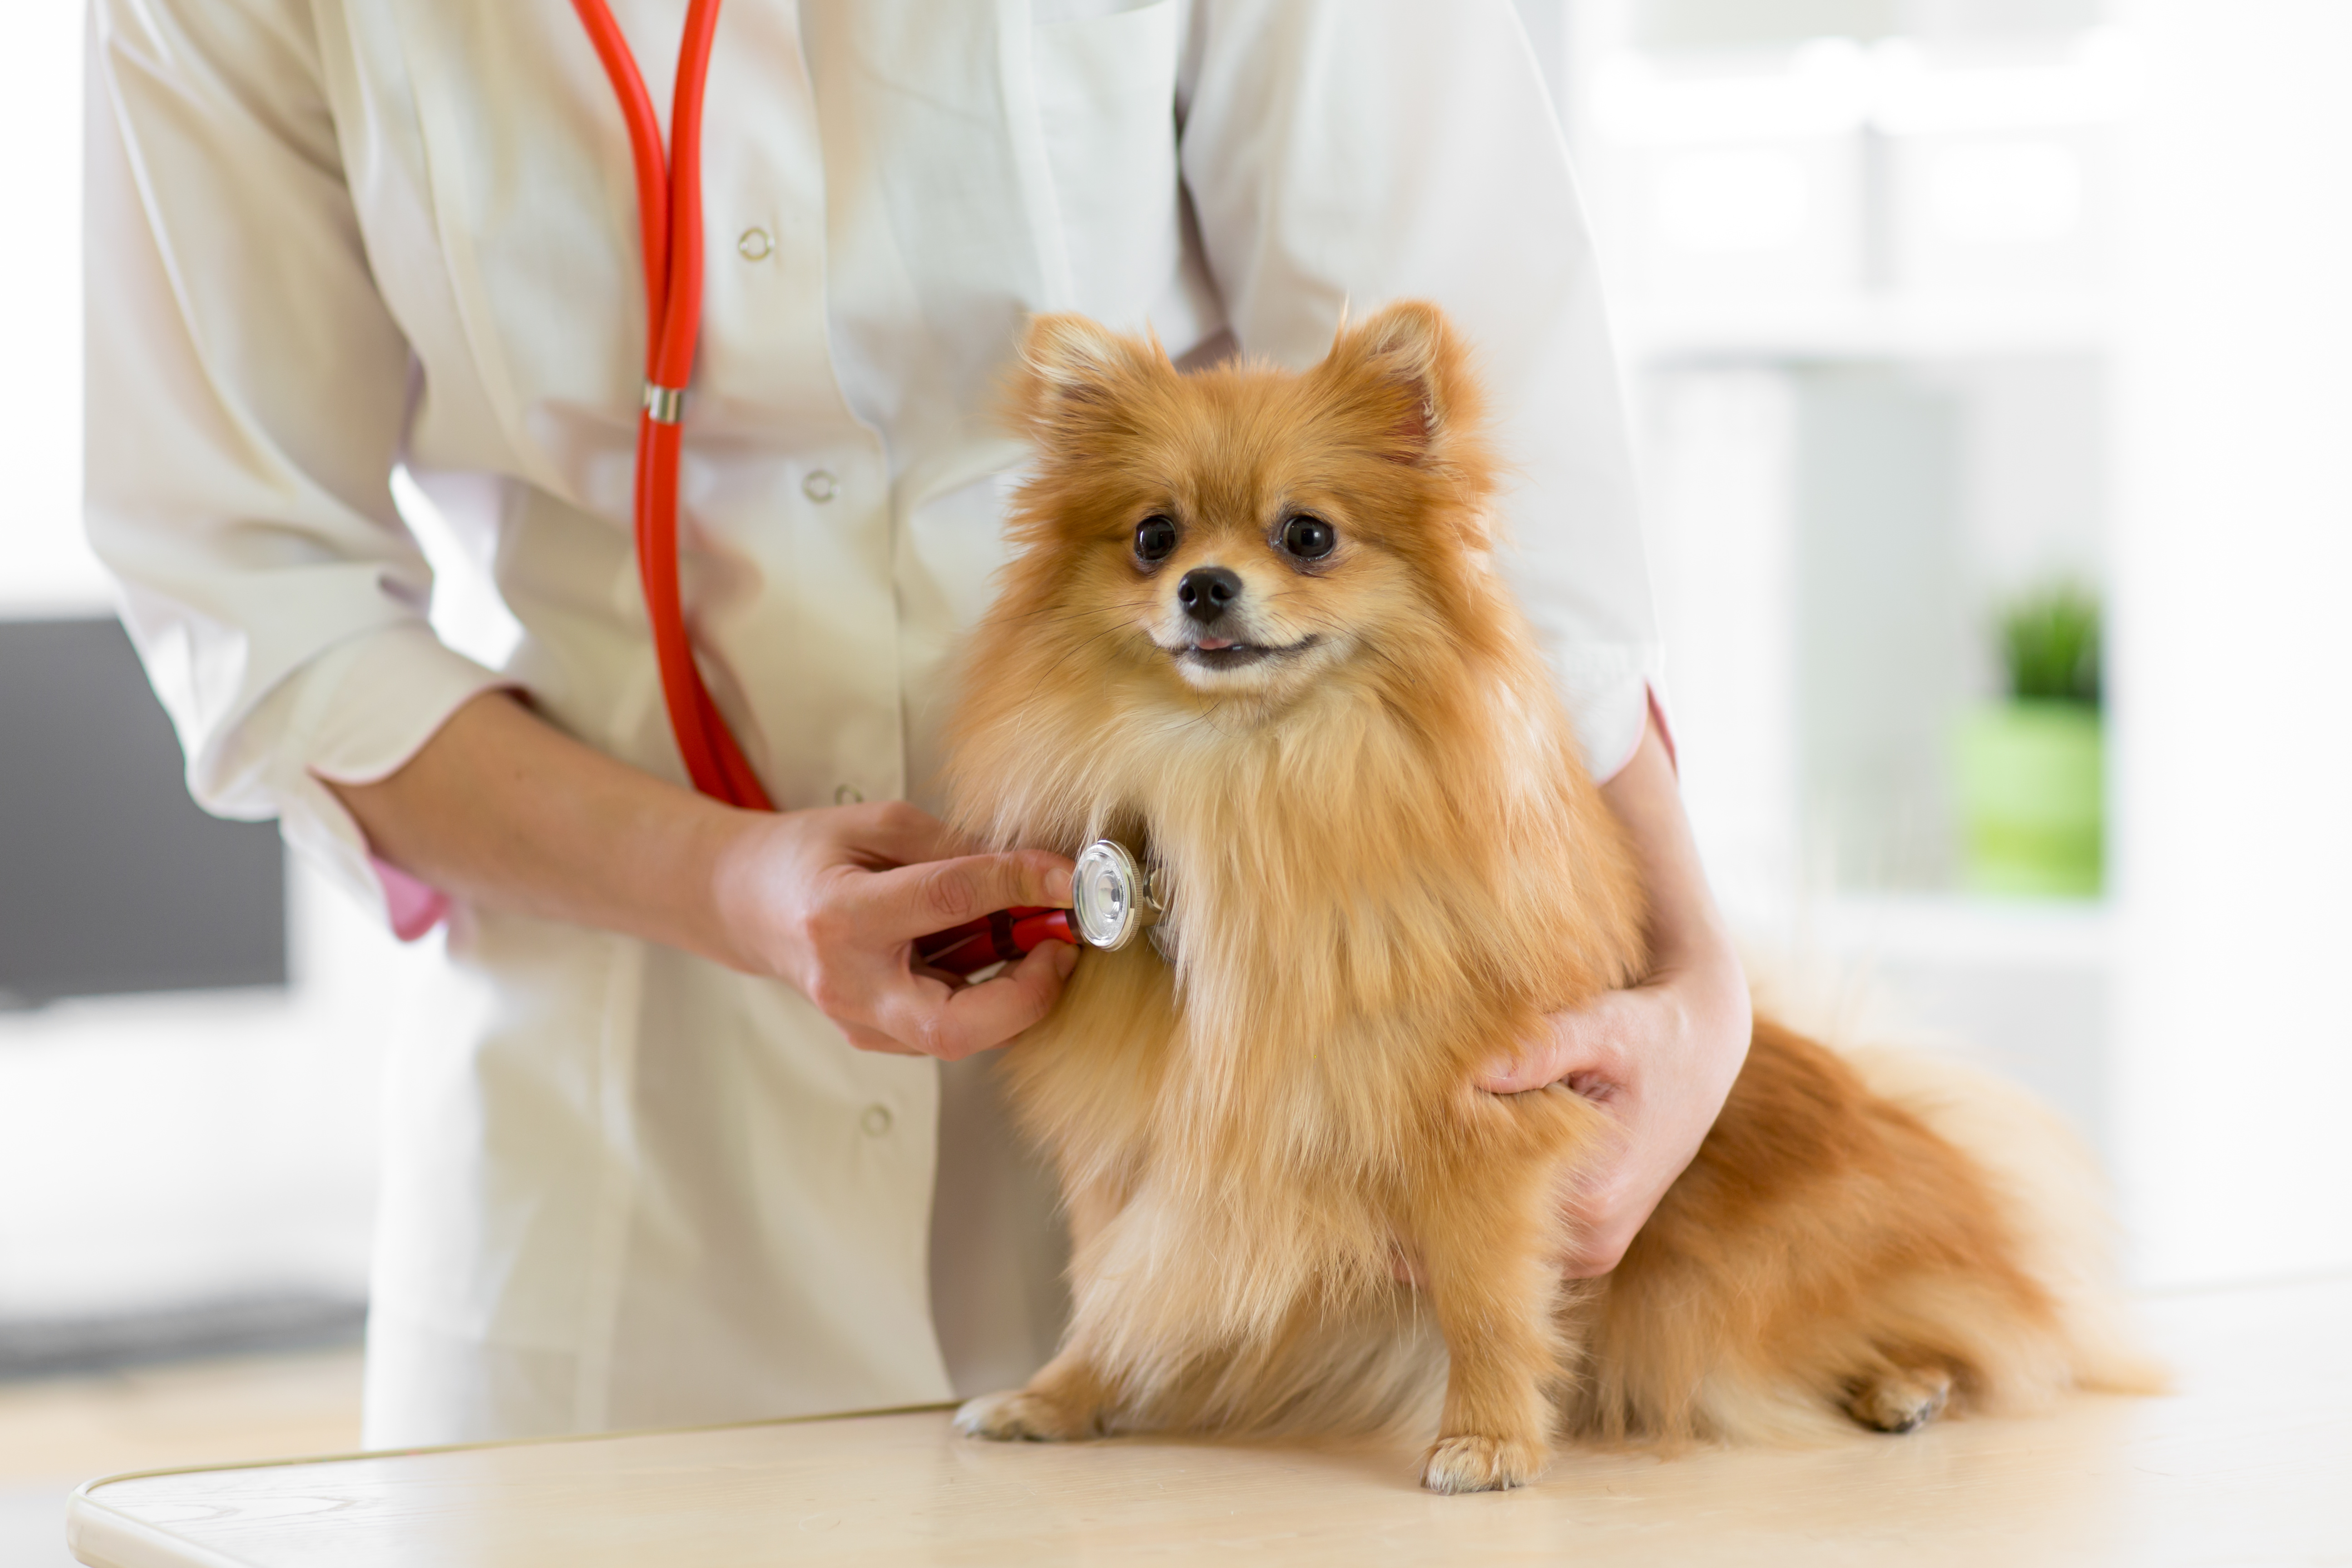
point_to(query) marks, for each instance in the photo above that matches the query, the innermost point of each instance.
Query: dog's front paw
(1472, 1463)
(1019, 1415)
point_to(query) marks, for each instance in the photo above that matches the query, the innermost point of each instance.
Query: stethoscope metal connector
(1111, 898)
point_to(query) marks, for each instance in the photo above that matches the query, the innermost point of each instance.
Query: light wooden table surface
(2250, 1462)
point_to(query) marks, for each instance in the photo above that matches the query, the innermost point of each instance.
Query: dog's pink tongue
(1212, 645)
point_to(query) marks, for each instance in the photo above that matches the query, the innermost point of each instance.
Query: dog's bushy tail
(1860, 1223)
(2054, 1199)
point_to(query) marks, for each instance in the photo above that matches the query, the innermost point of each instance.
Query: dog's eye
(1309, 538)
(1154, 538)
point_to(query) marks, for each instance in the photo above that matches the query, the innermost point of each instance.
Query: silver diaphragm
(1110, 898)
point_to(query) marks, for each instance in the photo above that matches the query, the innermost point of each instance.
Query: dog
(1254, 628)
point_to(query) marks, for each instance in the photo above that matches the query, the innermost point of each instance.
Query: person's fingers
(892, 833)
(1597, 1252)
(856, 937)
(1609, 1199)
(954, 1023)
(1558, 1050)
(915, 900)
(1606, 1214)
(866, 1039)
(1586, 1045)
(1531, 1068)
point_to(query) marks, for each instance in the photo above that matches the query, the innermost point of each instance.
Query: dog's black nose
(1206, 591)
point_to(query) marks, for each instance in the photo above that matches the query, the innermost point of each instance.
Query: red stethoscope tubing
(669, 221)
(1001, 938)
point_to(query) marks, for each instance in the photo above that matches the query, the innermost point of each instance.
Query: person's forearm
(505, 810)
(1660, 1055)
(1687, 936)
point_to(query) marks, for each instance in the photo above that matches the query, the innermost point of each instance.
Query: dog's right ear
(1069, 364)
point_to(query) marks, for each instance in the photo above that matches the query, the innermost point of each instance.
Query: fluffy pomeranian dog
(1253, 630)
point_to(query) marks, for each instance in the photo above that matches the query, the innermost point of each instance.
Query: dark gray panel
(110, 878)
(258, 1325)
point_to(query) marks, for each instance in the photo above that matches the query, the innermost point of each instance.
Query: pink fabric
(1665, 732)
(415, 907)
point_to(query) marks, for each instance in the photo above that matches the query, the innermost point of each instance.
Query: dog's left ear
(1412, 366)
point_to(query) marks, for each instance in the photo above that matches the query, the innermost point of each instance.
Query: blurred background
(1989, 364)
(1991, 368)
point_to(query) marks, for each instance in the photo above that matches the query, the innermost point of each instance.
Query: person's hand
(832, 898)
(503, 809)
(1658, 1060)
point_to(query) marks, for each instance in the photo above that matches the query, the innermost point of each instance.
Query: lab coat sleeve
(1343, 153)
(246, 394)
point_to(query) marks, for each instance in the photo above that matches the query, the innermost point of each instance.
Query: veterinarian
(671, 1151)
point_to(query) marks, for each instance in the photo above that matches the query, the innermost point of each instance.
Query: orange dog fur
(1384, 863)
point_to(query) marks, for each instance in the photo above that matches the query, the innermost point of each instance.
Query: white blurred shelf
(1963, 932)
(51, 572)
(2019, 988)
(1865, 328)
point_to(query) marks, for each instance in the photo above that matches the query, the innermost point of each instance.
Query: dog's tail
(2053, 1197)
(2055, 1200)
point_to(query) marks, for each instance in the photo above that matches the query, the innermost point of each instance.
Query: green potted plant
(2032, 769)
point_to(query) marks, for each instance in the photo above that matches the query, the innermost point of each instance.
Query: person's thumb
(1548, 1057)
(916, 900)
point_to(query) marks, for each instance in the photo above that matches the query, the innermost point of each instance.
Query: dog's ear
(1413, 369)
(1069, 364)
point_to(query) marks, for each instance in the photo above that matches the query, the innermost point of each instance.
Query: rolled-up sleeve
(1343, 154)
(246, 394)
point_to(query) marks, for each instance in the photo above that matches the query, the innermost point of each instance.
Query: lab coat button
(848, 795)
(754, 245)
(819, 486)
(877, 1120)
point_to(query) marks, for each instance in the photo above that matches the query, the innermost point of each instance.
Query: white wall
(44, 567)
(157, 1150)
(2233, 701)
(1717, 453)
(160, 1151)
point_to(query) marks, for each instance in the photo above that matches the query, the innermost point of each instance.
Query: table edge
(86, 1491)
(100, 1536)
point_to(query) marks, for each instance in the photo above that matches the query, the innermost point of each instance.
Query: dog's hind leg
(1901, 1400)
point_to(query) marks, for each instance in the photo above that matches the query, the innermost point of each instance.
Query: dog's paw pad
(1014, 1416)
(1471, 1463)
(1902, 1403)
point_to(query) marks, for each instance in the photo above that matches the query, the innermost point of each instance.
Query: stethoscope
(1111, 898)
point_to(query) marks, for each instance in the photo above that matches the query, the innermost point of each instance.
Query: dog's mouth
(1223, 653)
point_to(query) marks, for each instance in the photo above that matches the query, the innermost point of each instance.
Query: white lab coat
(622, 1185)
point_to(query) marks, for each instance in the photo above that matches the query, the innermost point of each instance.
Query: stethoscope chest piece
(1110, 897)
